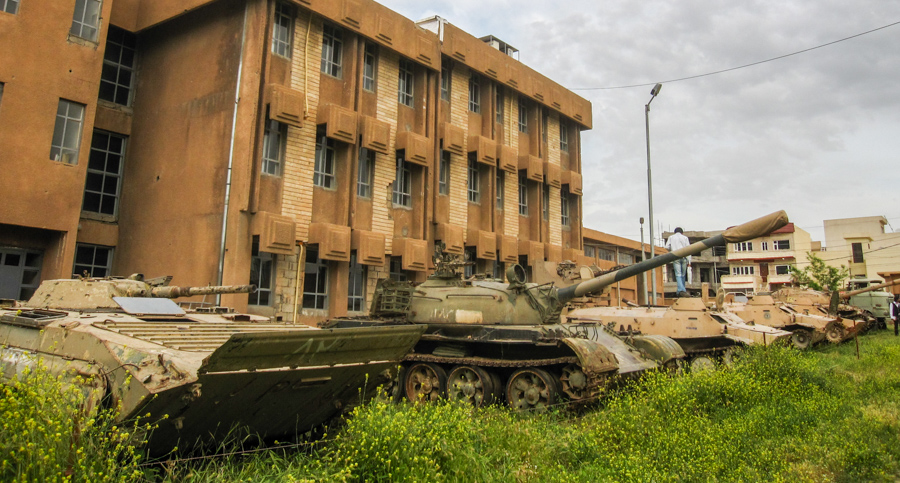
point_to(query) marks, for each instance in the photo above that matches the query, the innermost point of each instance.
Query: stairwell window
(117, 76)
(499, 102)
(563, 137)
(545, 205)
(444, 174)
(445, 80)
(523, 115)
(564, 206)
(403, 184)
(857, 252)
(365, 172)
(9, 6)
(356, 291)
(369, 72)
(262, 265)
(95, 260)
(283, 30)
(315, 281)
(86, 19)
(523, 194)
(104, 174)
(67, 132)
(474, 187)
(474, 94)
(405, 86)
(501, 188)
(332, 50)
(323, 171)
(274, 144)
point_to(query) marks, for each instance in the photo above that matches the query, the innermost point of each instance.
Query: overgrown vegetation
(819, 276)
(47, 435)
(775, 415)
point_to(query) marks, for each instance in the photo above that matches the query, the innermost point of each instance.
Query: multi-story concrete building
(310, 147)
(862, 245)
(609, 251)
(707, 267)
(763, 264)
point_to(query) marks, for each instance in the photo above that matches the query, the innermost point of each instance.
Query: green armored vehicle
(489, 340)
(870, 297)
(197, 373)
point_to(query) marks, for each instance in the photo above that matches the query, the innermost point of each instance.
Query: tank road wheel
(731, 354)
(702, 364)
(802, 339)
(575, 383)
(473, 385)
(835, 332)
(424, 382)
(532, 389)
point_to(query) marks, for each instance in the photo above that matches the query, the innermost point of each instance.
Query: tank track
(479, 361)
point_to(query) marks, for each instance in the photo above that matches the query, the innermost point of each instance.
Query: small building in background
(862, 245)
(763, 264)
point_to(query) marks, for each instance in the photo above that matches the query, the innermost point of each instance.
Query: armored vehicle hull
(808, 329)
(198, 375)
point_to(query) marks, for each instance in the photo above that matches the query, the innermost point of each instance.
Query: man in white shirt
(676, 241)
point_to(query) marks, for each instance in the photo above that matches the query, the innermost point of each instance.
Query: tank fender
(660, 348)
(593, 356)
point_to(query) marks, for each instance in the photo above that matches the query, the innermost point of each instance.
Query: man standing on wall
(676, 241)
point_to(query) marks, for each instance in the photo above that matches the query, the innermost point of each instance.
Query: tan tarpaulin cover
(756, 228)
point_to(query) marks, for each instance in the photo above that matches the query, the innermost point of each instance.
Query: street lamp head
(642, 220)
(655, 91)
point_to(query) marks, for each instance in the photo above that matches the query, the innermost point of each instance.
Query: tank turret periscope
(488, 339)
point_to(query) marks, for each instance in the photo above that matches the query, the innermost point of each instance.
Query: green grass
(775, 415)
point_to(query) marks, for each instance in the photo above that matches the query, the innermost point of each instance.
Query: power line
(735, 68)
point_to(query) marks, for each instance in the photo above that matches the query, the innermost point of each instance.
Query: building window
(589, 251)
(498, 271)
(523, 115)
(746, 270)
(67, 132)
(545, 124)
(719, 251)
(262, 266)
(315, 282)
(857, 250)
(474, 94)
(499, 101)
(93, 260)
(396, 271)
(764, 246)
(782, 269)
(474, 181)
(563, 137)
(604, 254)
(365, 172)
(283, 30)
(444, 174)
(523, 194)
(782, 244)
(405, 89)
(446, 72)
(743, 247)
(1, 89)
(9, 6)
(356, 291)
(86, 19)
(369, 57)
(20, 273)
(117, 77)
(546, 201)
(564, 207)
(104, 174)
(501, 187)
(274, 143)
(626, 258)
(323, 172)
(403, 184)
(332, 46)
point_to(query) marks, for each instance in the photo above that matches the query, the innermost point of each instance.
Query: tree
(819, 276)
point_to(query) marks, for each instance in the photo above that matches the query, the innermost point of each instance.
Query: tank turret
(100, 293)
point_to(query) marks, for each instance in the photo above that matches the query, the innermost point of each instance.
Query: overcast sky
(816, 134)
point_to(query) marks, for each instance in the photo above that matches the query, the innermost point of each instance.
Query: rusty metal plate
(326, 347)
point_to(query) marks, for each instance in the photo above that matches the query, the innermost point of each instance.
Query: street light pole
(644, 257)
(653, 93)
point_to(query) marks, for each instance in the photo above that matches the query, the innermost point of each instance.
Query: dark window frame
(105, 167)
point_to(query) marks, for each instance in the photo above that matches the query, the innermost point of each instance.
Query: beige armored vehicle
(197, 373)
(705, 334)
(808, 328)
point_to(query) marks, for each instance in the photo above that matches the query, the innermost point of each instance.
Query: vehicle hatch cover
(148, 306)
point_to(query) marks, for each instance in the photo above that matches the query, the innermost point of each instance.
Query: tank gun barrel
(173, 292)
(752, 229)
(847, 295)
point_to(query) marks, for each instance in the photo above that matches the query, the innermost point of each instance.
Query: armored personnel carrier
(870, 297)
(807, 328)
(197, 373)
(705, 335)
(489, 340)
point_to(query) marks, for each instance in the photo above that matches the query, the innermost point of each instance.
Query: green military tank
(197, 373)
(493, 341)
